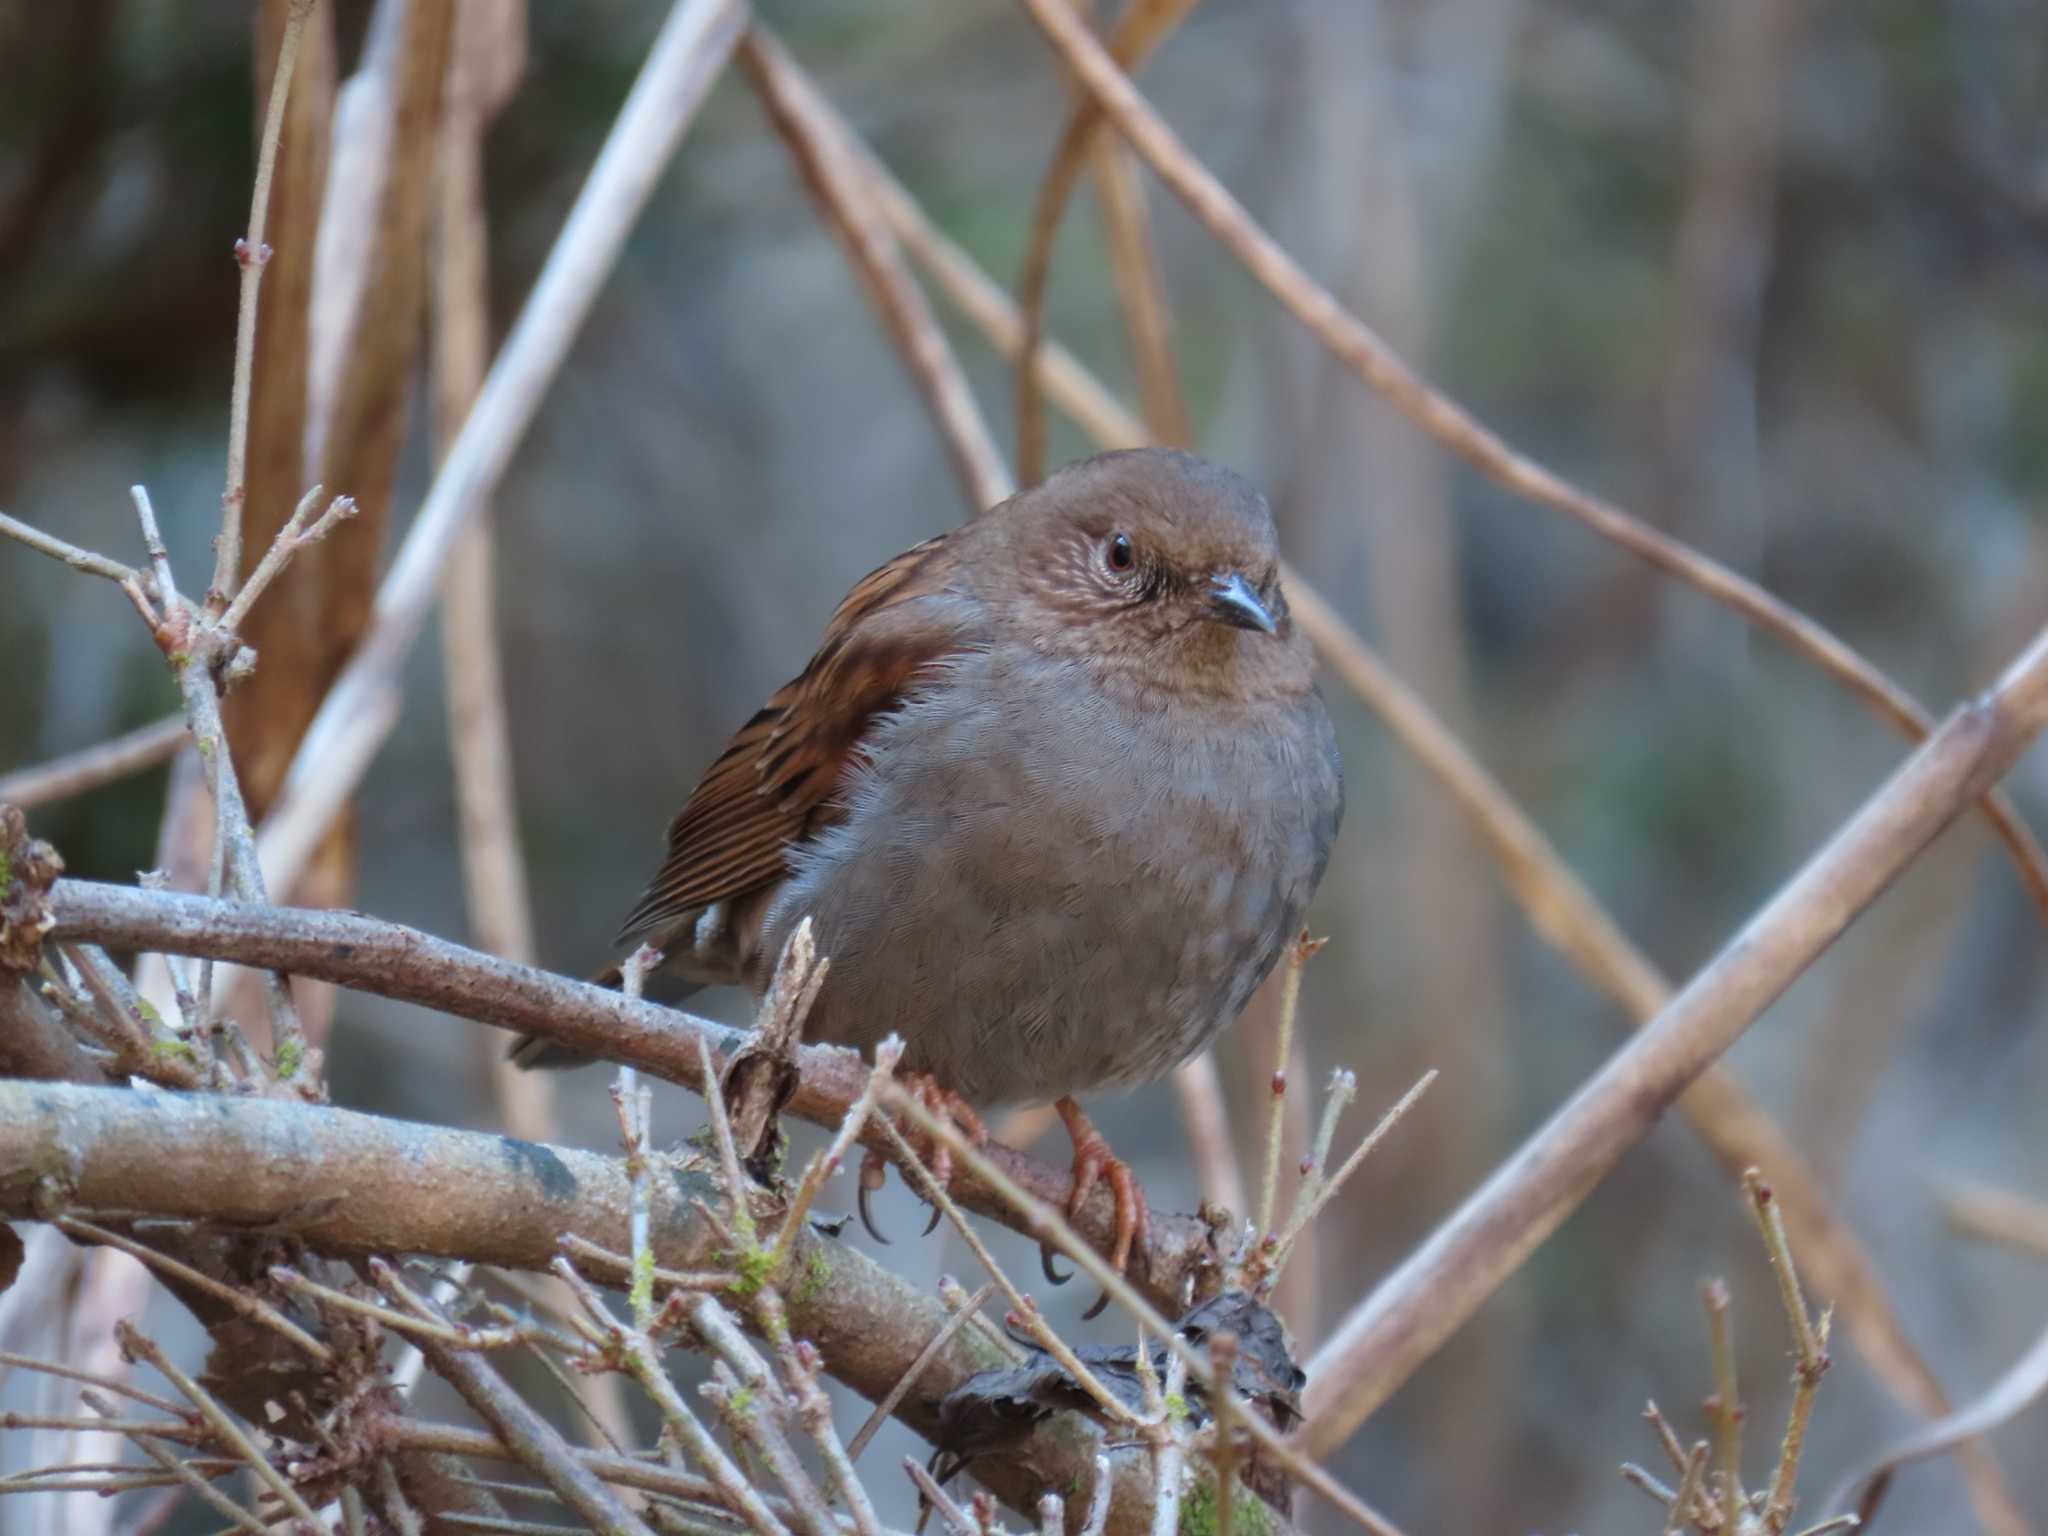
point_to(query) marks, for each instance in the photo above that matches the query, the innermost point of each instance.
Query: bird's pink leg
(1093, 1163)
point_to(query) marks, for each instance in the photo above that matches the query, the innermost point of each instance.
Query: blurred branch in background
(1140, 27)
(77, 772)
(832, 177)
(484, 70)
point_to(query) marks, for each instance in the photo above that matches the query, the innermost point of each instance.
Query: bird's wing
(776, 784)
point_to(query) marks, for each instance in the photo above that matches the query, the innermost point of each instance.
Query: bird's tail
(534, 1053)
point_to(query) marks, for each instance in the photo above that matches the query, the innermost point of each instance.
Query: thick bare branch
(394, 961)
(355, 1185)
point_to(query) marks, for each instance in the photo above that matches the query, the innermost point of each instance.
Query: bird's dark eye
(1119, 553)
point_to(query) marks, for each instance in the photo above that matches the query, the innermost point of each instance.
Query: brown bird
(1054, 792)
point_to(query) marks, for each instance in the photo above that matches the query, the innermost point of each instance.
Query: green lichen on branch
(1201, 1509)
(753, 1266)
(811, 1284)
(641, 1297)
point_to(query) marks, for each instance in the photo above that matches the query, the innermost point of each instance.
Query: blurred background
(1772, 274)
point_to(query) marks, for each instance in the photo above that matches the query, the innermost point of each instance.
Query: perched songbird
(1054, 792)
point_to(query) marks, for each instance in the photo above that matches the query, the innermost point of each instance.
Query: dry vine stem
(1353, 343)
(1438, 1286)
(1140, 28)
(847, 203)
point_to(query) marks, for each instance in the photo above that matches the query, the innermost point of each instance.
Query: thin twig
(94, 1379)
(85, 560)
(252, 255)
(1139, 28)
(157, 1452)
(252, 1307)
(1299, 953)
(915, 1369)
(956, 1519)
(1096, 1520)
(296, 534)
(827, 1163)
(138, 1346)
(1170, 1444)
(535, 1443)
(833, 173)
(1688, 1489)
(1304, 1217)
(412, 1325)
(1223, 1437)
(1725, 1406)
(77, 773)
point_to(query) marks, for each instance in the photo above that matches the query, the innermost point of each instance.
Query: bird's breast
(1045, 890)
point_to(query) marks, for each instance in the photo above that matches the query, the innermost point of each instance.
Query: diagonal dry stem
(362, 706)
(1141, 27)
(76, 773)
(833, 173)
(1437, 1287)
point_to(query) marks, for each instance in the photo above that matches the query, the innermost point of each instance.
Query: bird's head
(1155, 562)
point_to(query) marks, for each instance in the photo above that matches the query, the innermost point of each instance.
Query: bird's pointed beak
(1232, 600)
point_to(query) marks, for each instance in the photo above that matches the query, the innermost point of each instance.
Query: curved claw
(1045, 1263)
(1095, 1311)
(872, 1171)
(933, 1225)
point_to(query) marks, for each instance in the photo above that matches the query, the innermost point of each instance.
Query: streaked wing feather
(775, 785)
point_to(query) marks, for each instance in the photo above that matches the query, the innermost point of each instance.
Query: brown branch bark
(1416, 1308)
(362, 1185)
(393, 961)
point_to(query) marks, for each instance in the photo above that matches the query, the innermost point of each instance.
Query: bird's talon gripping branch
(937, 1157)
(1093, 1164)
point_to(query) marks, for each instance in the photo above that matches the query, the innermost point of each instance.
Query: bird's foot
(936, 1156)
(1094, 1163)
